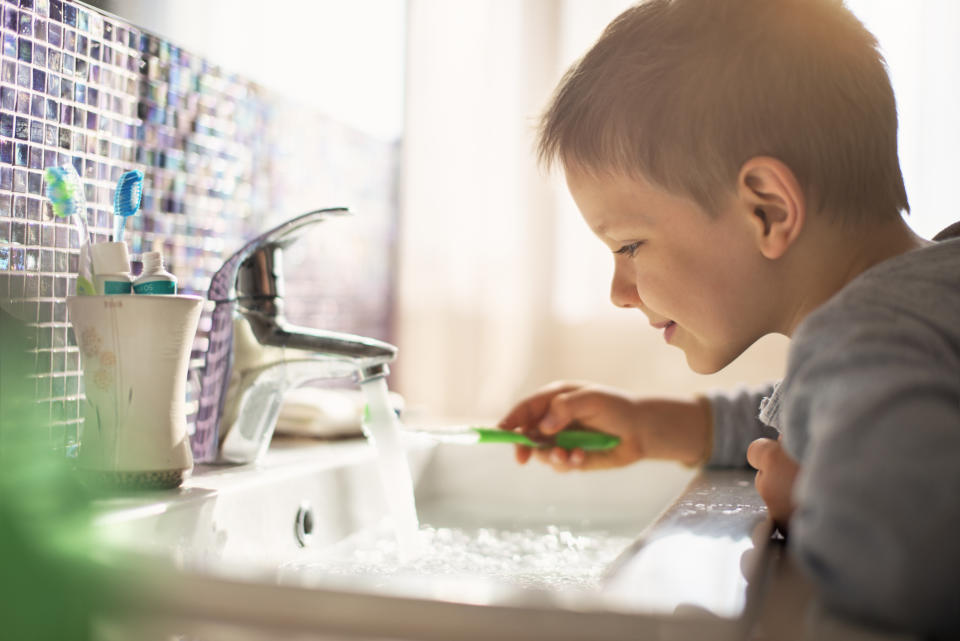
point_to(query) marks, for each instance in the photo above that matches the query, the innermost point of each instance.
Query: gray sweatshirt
(870, 407)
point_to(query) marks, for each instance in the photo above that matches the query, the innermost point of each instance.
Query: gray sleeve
(878, 509)
(736, 424)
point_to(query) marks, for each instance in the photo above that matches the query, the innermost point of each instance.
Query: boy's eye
(630, 249)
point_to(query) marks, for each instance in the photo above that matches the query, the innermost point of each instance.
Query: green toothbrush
(586, 440)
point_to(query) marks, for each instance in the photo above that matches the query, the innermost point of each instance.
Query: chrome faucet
(255, 356)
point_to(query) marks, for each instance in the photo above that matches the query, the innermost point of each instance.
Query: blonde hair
(683, 92)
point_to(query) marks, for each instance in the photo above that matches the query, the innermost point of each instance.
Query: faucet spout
(255, 355)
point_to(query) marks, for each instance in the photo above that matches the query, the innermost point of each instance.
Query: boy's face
(697, 277)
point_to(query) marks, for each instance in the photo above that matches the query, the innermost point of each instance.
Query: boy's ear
(771, 196)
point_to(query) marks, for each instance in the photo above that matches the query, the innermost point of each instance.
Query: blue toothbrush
(126, 201)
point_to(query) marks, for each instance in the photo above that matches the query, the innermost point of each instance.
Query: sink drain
(303, 525)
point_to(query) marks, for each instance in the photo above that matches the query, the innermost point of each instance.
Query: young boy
(739, 159)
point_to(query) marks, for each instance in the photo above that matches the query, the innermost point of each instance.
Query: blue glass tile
(20, 156)
(39, 55)
(80, 92)
(36, 105)
(81, 72)
(95, 50)
(4, 259)
(21, 128)
(26, 24)
(9, 45)
(53, 85)
(66, 114)
(83, 20)
(11, 19)
(6, 151)
(56, 10)
(51, 109)
(70, 14)
(70, 40)
(133, 38)
(91, 120)
(39, 80)
(66, 89)
(55, 35)
(107, 54)
(26, 4)
(36, 132)
(82, 43)
(54, 60)
(6, 125)
(25, 50)
(36, 158)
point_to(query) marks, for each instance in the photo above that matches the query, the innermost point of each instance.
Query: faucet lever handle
(223, 285)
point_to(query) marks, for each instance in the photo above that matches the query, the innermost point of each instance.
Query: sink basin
(297, 546)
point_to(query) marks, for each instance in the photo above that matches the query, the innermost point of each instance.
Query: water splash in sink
(383, 429)
(539, 557)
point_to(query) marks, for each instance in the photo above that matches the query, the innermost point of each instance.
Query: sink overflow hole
(303, 525)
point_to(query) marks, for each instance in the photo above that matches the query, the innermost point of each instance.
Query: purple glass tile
(80, 92)
(23, 75)
(68, 63)
(9, 45)
(64, 138)
(66, 114)
(36, 105)
(39, 80)
(70, 40)
(11, 19)
(36, 158)
(23, 102)
(107, 30)
(82, 44)
(49, 156)
(40, 29)
(36, 131)
(54, 60)
(51, 109)
(56, 10)
(19, 180)
(8, 71)
(34, 186)
(26, 4)
(6, 177)
(94, 50)
(6, 125)
(6, 152)
(55, 35)
(66, 89)
(26, 24)
(81, 71)
(16, 259)
(70, 14)
(39, 55)
(50, 138)
(53, 85)
(91, 120)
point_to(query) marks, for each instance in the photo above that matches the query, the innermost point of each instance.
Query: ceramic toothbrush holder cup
(135, 353)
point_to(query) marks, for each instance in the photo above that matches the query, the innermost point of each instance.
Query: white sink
(517, 551)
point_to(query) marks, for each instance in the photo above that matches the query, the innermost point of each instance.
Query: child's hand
(648, 428)
(776, 474)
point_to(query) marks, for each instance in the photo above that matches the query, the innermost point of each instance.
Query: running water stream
(383, 429)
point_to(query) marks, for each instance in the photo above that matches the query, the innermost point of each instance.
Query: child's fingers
(760, 452)
(522, 453)
(579, 404)
(529, 411)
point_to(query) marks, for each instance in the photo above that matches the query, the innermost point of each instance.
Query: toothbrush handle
(119, 224)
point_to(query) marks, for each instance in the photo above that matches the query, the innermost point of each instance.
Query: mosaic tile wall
(223, 159)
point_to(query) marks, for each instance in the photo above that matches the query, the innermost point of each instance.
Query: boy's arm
(877, 497)
(736, 424)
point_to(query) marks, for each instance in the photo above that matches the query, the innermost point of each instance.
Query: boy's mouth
(668, 327)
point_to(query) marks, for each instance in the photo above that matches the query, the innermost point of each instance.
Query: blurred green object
(49, 589)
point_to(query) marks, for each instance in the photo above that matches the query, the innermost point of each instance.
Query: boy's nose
(623, 290)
